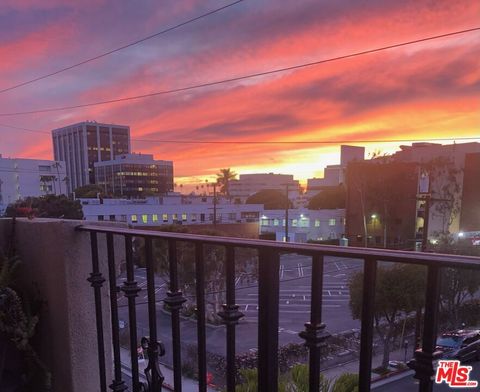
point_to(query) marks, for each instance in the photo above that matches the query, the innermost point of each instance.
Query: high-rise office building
(81, 145)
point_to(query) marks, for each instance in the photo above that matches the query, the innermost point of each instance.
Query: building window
(232, 216)
(193, 217)
(175, 217)
(294, 222)
(276, 222)
(112, 218)
(123, 218)
(202, 217)
(154, 218)
(165, 217)
(134, 218)
(332, 222)
(317, 222)
(304, 222)
(184, 217)
(100, 217)
(144, 218)
(264, 222)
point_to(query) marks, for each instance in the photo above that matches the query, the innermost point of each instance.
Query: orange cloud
(424, 91)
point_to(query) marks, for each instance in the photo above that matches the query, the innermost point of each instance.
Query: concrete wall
(56, 258)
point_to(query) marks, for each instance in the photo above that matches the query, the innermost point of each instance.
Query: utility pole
(287, 202)
(426, 219)
(214, 203)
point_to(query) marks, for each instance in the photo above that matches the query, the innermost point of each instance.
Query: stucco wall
(56, 258)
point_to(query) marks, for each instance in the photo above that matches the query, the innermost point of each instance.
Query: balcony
(82, 270)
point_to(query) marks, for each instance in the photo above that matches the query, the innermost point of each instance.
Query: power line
(23, 129)
(119, 48)
(333, 141)
(337, 141)
(238, 78)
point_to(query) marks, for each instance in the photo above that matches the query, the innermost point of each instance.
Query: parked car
(463, 344)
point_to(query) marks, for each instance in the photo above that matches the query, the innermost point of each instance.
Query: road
(410, 384)
(294, 307)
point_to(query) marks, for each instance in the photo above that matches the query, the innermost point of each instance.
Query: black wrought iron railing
(269, 252)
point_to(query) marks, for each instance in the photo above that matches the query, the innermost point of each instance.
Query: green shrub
(347, 382)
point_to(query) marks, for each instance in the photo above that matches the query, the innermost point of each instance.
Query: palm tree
(58, 165)
(224, 178)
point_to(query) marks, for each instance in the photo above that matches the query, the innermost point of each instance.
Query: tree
(224, 178)
(214, 267)
(399, 290)
(58, 165)
(89, 191)
(45, 179)
(445, 189)
(49, 206)
(387, 189)
(329, 198)
(458, 285)
(270, 198)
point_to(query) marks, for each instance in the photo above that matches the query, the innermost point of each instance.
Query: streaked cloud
(428, 90)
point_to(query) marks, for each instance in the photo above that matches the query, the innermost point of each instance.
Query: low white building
(21, 178)
(304, 224)
(249, 184)
(169, 210)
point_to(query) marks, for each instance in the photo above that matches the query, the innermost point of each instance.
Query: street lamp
(374, 220)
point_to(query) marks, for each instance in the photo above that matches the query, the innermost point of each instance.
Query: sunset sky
(422, 91)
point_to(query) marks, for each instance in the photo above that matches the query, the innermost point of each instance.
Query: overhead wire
(88, 60)
(242, 77)
(331, 141)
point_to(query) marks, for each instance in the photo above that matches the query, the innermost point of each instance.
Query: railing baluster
(366, 334)
(201, 332)
(118, 384)
(175, 300)
(268, 292)
(424, 370)
(131, 289)
(230, 316)
(315, 334)
(96, 279)
(154, 348)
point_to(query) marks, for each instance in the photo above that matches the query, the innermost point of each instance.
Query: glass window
(100, 217)
(294, 222)
(165, 217)
(134, 218)
(304, 222)
(264, 222)
(276, 222)
(193, 217)
(332, 222)
(154, 218)
(317, 222)
(175, 217)
(144, 218)
(184, 216)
